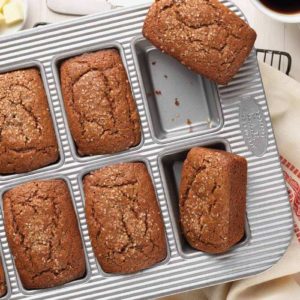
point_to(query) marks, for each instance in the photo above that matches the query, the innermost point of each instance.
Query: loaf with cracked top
(3, 289)
(124, 220)
(204, 35)
(27, 138)
(213, 199)
(101, 111)
(43, 234)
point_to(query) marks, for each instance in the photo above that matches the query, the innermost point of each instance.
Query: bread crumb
(177, 103)
(188, 122)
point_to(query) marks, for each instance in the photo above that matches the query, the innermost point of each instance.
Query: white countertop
(271, 34)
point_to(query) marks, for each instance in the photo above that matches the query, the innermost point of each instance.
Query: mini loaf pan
(178, 110)
(170, 165)
(174, 113)
(141, 159)
(81, 223)
(56, 64)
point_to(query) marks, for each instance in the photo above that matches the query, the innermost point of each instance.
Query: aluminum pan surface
(268, 209)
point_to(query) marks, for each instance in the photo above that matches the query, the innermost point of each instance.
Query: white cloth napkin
(281, 282)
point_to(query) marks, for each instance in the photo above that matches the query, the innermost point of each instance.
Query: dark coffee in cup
(283, 6)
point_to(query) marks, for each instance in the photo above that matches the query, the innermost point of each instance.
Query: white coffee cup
(282, 17)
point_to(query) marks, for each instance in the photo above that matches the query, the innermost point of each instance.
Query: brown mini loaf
(3, 289)
(27, 138)
(124, 221)
(43, 234)
(213, 199)
(101, 111)
(204, 35)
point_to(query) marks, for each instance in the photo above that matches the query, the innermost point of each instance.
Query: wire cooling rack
(277, 59)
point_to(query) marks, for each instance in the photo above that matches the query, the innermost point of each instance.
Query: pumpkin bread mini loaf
(204, 35)
(43, 235)
(124, 220)
(27, 138)
(101, 112)
(213, 199)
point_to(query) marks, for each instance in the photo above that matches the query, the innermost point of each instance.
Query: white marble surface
(271, 34)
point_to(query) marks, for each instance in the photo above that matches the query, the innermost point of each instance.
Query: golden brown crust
(43, 234)
(124, 220)
(27, 138)
(101, 111)
(204, 35)
(3, 289)
(213, 199)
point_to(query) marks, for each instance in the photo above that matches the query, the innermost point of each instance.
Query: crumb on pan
(189, 122)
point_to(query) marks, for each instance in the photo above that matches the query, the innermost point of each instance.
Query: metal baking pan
(178, 110)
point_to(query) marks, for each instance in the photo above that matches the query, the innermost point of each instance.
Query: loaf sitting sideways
(204, 35)
(213, 199)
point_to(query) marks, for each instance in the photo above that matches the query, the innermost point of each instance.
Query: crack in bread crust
(27, 138)
(124, 220)
(204, 35)
(84, 118)
(43, 234)
(100, 108)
